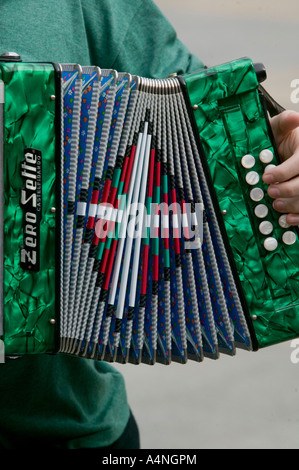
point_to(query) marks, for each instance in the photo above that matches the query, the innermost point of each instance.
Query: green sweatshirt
(62, 401)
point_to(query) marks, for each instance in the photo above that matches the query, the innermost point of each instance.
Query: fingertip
(268, 178)
(272, 174)
(289, 120)
(293, 219)
(279, 205)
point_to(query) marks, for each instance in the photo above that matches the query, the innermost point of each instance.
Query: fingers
(287, 189)
(286, 199)
(283, 172)
(287, 205)
(293, 219)
(283, 124)
(284, 178)
(284, 188)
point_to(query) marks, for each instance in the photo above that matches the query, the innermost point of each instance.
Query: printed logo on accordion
(31, 203)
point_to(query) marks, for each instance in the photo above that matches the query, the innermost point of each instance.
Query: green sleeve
(141, 40)
(129, 35)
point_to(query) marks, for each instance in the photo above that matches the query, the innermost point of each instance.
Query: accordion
(135, 223)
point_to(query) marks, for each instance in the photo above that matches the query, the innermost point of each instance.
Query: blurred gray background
(250, 401)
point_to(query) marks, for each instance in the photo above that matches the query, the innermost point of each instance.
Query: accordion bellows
(136, 226)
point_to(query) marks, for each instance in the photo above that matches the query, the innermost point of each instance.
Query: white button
(248, 161)
(266, 156)
(270, 244)
(283, 221)
(289, 238)
(269, 167)
(266, 227)
(261, 211)
(252, 178)
(257, 194)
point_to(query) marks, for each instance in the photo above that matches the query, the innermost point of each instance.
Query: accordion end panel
(236, 145)
(29, 203)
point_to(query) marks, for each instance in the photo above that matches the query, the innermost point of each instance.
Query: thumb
(284, 123)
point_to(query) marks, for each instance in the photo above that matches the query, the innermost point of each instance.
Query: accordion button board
(136, 226)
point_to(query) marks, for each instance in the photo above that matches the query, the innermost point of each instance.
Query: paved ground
(252, 400)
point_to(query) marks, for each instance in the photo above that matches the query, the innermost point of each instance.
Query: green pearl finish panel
(231, 123)
(29, 297)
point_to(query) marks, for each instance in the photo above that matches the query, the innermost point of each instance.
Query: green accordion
(136, 225)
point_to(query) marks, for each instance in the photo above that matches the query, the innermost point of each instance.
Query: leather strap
(273, 107)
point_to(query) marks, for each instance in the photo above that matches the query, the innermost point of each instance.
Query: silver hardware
(10, 56)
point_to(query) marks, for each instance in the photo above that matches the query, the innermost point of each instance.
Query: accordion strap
(272, 106)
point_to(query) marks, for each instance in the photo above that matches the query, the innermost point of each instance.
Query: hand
(284, 179)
